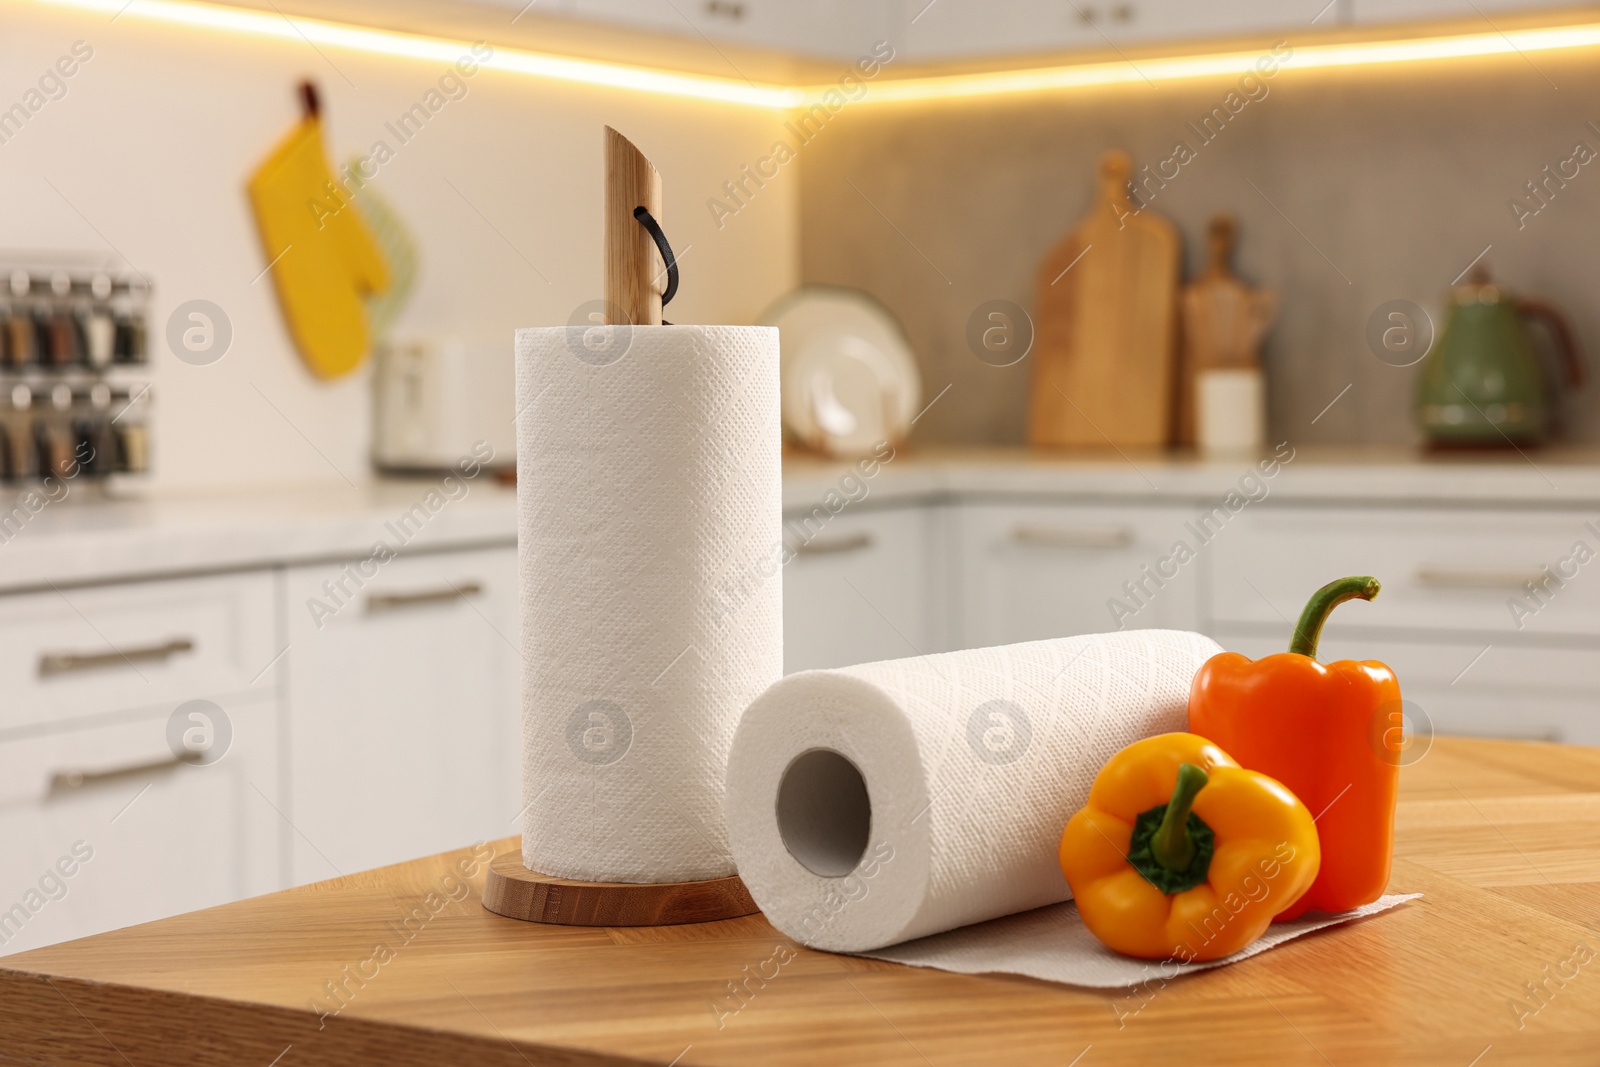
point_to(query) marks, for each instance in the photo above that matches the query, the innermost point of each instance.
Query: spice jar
(99, 328)
(21, 455)
(53, 434)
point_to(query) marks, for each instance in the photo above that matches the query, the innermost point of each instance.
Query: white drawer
(102, 828)
(1514, 691)
(109, 648)
(860, 587)
(1030, 572)
(1441, 570)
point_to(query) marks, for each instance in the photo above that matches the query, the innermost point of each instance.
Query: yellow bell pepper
(1181, 853)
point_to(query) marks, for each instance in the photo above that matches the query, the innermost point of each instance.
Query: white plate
(849, 378)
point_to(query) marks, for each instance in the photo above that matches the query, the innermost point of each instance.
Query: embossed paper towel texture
(650, 507)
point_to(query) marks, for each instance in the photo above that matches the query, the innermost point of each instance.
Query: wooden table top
(1496, 964)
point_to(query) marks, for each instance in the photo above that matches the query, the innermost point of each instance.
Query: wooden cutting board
(1106, 325)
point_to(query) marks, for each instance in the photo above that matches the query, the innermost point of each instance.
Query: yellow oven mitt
(324, 260)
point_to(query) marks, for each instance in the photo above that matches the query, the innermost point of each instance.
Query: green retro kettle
(1483, 383)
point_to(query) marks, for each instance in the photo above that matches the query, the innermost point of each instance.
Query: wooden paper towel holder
(518, 893)
(633, 295)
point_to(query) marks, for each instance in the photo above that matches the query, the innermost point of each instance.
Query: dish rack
(74, 354)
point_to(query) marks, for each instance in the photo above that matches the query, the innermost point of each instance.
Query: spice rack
(74, 348)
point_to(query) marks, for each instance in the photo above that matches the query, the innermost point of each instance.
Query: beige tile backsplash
(1383, 183)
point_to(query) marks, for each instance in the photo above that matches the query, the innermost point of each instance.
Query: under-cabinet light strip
(1232, 64)
(414, 46)
(889, 90)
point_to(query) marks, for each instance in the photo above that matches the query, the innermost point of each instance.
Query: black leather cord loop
(653, 228)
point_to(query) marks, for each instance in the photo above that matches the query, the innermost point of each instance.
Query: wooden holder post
(635, 278)
(634, 274)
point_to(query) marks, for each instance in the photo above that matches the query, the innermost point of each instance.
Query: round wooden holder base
(518, 893)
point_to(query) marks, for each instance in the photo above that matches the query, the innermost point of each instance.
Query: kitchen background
(351, 712)
(1352, 188)
(146, 155)
(1389, 182)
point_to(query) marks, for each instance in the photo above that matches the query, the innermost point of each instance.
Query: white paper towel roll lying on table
(874, 804)
(650, 507)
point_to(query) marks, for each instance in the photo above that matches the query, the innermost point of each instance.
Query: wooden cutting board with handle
(1106, 325)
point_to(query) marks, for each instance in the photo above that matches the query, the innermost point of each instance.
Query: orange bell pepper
(1316, 728)
(1180, 853)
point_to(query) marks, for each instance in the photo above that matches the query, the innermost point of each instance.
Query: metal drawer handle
(379, 602)
(1447, 578)
(1073, 536)
(53, 663)
(853, 543)
(63, 782)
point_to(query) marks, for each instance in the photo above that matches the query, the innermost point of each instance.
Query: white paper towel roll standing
(650, 508)
(874, 804)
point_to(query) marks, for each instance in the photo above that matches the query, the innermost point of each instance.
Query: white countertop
(89, 536)
(1564, 478)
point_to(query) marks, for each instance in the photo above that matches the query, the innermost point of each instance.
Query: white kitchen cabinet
(404, 710)
(1368, 12)
(949, 29)
(74, 652)
(102, 826)
(1442, 570)
(1103, 24)
(1032, 571)
(933, 30)
(928, 30)
(643, 14)
(862, 586)
(1445, 619)
(842, 29)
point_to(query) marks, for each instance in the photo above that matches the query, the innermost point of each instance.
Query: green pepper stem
(1172, 844)
(1308, 631)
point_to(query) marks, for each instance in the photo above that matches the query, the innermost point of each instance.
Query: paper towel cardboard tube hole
(824, 812)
